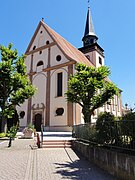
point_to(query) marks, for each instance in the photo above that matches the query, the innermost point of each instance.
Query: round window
(22, 114)
(59, 111)
(58, 58)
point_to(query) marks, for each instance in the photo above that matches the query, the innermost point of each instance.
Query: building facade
(50, 60)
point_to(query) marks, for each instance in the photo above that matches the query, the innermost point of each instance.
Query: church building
(50, 61)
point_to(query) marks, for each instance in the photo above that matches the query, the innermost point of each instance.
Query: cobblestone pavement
(14, 160)
(20, 162)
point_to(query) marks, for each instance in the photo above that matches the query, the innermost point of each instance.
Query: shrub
(30, 126)
(85, 132)
(12, 132)
(128, 127)
(3, 135)
(106, 128)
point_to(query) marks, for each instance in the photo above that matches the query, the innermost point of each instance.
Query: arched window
(59, 84)
(34, 47)
(47, 42)
(100, 60)
(40, 52)
(40, 63)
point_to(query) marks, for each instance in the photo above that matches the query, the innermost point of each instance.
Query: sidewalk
(21, 163)
(14, 160)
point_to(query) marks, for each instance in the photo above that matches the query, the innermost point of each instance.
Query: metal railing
(115, 134)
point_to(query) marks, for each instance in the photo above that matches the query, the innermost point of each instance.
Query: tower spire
(89, 34)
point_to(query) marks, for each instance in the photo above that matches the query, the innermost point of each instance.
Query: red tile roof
(68, 50)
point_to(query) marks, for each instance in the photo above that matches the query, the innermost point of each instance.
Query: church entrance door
(38, 122)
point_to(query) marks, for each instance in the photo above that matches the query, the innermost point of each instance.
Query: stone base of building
(53, 128)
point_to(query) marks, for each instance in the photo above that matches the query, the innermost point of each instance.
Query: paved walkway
(20, 162)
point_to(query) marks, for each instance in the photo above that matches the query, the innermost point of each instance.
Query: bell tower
(91, 48)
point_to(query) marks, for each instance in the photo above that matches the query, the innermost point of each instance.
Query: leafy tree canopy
(106, 128)
(130, 116)
(15, 86)
(90, 88)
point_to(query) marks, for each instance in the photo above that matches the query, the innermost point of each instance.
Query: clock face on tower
(87, 41)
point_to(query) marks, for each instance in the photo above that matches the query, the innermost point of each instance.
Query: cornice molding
(41, 48)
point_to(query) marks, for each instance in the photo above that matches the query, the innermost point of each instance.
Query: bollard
(38, 140)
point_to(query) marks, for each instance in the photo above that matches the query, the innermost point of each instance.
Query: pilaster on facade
(70, 105)
(30, 99)
(48, 89)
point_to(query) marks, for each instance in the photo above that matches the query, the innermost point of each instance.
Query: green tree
(90, 88)
(128, 127)
(106, 128)
(15, 87)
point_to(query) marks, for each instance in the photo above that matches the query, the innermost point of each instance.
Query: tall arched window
(59, 84)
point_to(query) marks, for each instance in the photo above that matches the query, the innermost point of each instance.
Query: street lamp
(126, 106)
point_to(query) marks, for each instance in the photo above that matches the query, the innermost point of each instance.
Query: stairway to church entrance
(57, 139)
(57, 144)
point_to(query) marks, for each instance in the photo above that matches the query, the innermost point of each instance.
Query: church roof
(68, 50)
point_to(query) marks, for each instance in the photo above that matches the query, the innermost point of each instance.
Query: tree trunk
(3, 119)
(87, 115)
(10, 142)
(3, 124)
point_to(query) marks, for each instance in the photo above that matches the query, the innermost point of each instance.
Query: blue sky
(114, 23)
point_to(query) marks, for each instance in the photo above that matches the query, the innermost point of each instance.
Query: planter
(28, 133)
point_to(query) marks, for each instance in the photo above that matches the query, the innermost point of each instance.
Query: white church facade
(50, 60)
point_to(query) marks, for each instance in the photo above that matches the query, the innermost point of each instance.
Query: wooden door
(38, 121)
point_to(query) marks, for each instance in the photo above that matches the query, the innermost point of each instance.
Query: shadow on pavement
(81, 169)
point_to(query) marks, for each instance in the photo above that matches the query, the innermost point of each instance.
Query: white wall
(28, 63)
(40, 57)
(23, 107)
(41, 38)
(54, 52)
(39, 81)
(94, 58)
(97, 60)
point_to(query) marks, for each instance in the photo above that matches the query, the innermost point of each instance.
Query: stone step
(56, 144)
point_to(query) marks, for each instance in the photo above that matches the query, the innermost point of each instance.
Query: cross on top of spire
(88, 3)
